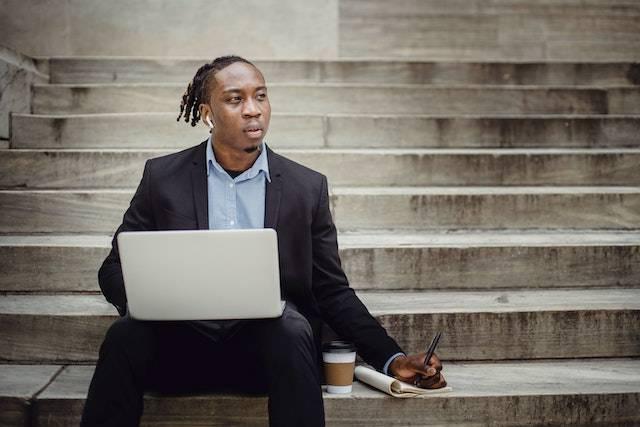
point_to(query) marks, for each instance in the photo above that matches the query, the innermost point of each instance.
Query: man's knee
(289, 338)
(293, 327)
(128, 334)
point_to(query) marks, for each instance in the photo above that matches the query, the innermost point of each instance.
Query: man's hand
(411, 368)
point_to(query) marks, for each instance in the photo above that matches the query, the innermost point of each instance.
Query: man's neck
(233, 159)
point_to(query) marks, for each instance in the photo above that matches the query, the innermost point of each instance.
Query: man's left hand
(411, 369)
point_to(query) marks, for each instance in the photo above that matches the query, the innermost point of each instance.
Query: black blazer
(172, 195)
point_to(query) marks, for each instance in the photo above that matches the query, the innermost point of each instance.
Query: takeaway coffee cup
(339, 362)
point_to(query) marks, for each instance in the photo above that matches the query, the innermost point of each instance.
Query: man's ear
(206, 115)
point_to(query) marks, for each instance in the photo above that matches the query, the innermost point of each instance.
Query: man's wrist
(387, 365)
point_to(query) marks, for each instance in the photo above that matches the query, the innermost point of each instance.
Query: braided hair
(198, 89)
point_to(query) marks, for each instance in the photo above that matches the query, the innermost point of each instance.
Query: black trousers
(273, 356)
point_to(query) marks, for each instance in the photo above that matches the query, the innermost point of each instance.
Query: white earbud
(209, 122)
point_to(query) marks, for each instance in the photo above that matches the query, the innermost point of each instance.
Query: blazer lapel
(199, 185)
(273, 191)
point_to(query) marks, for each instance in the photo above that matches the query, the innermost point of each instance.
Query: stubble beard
(252, 149)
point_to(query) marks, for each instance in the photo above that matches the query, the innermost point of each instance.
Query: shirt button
(232, 222)
(231, 185)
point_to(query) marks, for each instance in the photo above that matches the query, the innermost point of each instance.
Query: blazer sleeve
(138, 217)
(339, 305)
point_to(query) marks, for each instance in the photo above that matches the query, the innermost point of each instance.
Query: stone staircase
(498, 202)
(491, 191)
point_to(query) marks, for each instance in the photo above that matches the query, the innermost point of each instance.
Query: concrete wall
(202, 28)
(568, 30)
(531, 30)
(17, 74)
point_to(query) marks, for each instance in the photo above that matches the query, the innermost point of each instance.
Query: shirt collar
(260, 165)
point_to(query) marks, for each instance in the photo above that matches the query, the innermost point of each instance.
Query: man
(233, 180)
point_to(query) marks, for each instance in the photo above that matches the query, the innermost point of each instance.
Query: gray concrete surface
(384, 261)
(384, 71)
(479, 325)
(17, 74)
(152, 130)
(565, 30)
(18, 387)
(355, 208)
(160, 130)
(347, 167)
(167, 28)
(509, 392)
(326, 29)
(485, 208)
(482, 131)
(351, 99)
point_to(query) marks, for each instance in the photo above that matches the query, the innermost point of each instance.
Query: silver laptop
(201, 274)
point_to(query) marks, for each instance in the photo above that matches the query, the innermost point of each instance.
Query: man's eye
(234, 99)
(261, 96)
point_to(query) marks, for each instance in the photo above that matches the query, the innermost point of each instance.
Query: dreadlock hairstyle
(198, 89)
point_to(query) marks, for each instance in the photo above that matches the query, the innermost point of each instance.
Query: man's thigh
(285, 341)
(189, 361)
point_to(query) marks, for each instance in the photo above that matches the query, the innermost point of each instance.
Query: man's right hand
(411, 368)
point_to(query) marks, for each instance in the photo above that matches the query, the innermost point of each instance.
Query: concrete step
(559, 323)
(384, 71)
(377, 261)
(334, 131)
(573, 10)
(19, 385)
(132, 130)
(532, 31)
(342, 98)
(354, 208)
(590, 392)
(486, 208)
(473, 8)
(122, 168)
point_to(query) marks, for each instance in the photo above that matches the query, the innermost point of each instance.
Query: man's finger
(441, 383)
(435, 362)
(434, 382)
(429, 382)
(421, 369)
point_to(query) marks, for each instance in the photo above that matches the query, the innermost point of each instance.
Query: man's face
(240, 107)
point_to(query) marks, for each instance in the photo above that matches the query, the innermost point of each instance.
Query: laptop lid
(201, 274)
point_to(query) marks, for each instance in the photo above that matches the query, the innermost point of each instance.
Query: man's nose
(250, 108)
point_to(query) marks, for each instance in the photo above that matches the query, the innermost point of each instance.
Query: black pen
(430, 350)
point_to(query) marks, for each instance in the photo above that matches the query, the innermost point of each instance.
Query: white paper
(392, 386)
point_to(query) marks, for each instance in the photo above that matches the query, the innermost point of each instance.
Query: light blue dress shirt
(240, 202)
(236, 202)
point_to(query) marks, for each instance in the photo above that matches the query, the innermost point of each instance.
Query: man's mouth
(253, 131)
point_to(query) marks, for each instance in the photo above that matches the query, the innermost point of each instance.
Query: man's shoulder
(172, 163)
(294, 170)
(186, 155)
